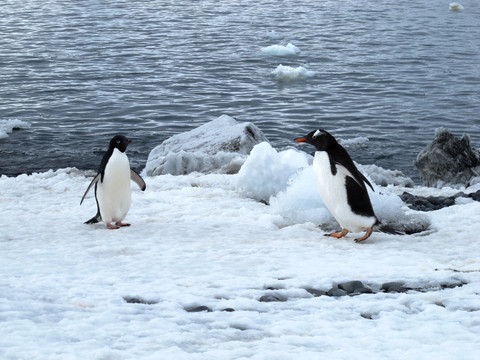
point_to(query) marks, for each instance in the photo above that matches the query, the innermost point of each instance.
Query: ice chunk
(221, 145)
(280, 50)
(289, 73)
(448, 160)
(385, 177)
(456, 6)
(266, 171)
(7, 126)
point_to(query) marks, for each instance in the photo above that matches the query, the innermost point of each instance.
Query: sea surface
(383, 75)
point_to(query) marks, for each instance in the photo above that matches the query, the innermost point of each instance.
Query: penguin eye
(118, 141)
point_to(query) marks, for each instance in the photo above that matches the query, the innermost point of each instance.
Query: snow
(7, 126)
(280, 50)
(289, 73)
(205, 240)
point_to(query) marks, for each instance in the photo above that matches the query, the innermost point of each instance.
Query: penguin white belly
(113, 194)
(333, 192)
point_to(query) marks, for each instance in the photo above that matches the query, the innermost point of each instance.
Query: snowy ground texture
(75, 291)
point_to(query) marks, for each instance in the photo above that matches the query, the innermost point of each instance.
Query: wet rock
(273, 298)
(221, 145)
(394, 287)
(198, 309)
(448, 160)
(229, 310)
(430, 203)
(138, 300)
(316, 292)
(335, 291)
(354, 287)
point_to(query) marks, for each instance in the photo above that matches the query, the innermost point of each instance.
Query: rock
(229, 310)
(221, 145)
(394, 287)
(138, 300)
(316, 292)
(448, 160)
(354, 287)
(335, 291)
(273, 298)
(198, 308)
(431, 203)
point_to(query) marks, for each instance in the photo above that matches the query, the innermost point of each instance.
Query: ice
(219, 145)
(289, 73)
(280, 50)
(7, 126)
(455, 6)
(70, 290)
(266, 171)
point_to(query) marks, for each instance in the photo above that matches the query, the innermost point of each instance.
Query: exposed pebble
(273, 298)
(394, 287)
(198, 308)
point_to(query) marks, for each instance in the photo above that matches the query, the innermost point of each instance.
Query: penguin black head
(120, 142)
(321, 139)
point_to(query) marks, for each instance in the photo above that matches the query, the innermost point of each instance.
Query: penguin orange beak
(300, 139)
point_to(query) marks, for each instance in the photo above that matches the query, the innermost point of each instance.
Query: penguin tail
(388, 229)
(97, 218)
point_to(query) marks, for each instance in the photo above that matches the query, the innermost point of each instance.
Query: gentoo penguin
(112, 185)
(342, 187)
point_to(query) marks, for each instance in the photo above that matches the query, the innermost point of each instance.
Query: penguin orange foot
(366, 236)
(338, 235)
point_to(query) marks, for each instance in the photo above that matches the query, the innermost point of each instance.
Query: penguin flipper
(360, 179)
(137, 179)
(94, 181)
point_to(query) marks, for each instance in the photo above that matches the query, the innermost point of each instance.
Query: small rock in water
(448, 160)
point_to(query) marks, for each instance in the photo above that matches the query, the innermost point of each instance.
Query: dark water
(81, 71)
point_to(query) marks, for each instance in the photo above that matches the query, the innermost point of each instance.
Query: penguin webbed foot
(366, 236)
(338, 235)
(120, 224)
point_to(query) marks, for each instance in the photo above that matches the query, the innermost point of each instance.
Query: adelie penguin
(112, 185)
(342, 187)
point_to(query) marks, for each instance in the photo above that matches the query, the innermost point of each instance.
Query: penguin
(112, 185)
(342, 187)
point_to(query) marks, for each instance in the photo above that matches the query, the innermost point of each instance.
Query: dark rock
(273, 298)
(475, 196)
(394, 287)
(429, 203)
(316, 292)
(138, 300)
(448, 160)
(351, 287)
(229, 310)
(335, 291)
(198, 308)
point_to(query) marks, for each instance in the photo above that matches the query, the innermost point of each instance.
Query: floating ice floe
(448, 160)
(455, 6)
(7, 126)
(221, 145)
(280, 50)
(286, 73)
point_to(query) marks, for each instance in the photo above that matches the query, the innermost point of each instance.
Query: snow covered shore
(75, 291)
